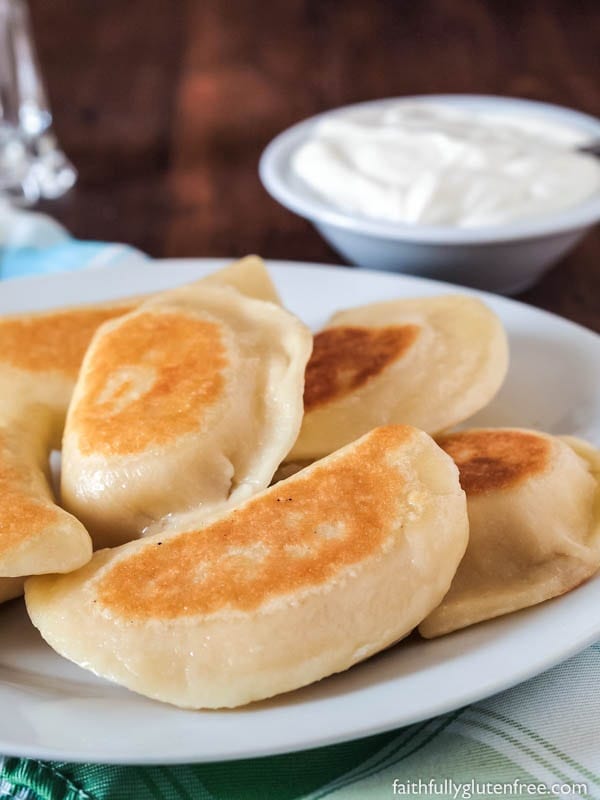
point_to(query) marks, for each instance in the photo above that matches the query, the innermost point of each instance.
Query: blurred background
(164, 106)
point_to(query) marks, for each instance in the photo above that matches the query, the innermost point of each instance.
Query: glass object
(32, 166)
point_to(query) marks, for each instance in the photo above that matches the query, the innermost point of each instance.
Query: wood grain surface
(165, 106)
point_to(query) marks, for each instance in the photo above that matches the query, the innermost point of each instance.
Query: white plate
(50, 708)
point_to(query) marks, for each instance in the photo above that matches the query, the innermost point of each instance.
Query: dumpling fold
(36, 535)
(300, 581)
(40, 355)
(430, 362)
(534, 514)
(186, 404)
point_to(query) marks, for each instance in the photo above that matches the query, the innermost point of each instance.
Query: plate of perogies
(296, 504)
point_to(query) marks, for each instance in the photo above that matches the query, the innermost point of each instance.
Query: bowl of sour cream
(478, 190)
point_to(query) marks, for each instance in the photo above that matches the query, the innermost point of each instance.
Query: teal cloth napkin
(540, 739)
(34, 244)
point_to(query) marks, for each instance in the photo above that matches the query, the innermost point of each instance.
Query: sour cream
(431, 164)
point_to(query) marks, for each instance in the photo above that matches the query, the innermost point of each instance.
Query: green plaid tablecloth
(540, 739)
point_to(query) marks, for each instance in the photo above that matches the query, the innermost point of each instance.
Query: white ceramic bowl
(502, 258)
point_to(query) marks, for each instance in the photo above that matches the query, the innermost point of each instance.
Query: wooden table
(165, 106)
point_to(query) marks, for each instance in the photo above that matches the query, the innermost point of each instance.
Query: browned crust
(54, 341)
(346, 358)
(22, 513)
(179, 361)
(295, 536)
(492, 460)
